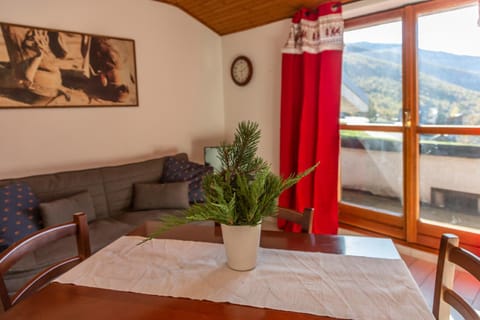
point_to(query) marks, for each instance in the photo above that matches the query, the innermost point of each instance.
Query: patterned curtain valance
(314, 31)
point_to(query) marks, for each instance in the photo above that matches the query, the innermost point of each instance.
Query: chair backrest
(15, 252)
(451, 255)
(304, 219)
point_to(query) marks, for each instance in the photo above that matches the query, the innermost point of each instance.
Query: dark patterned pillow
(176, 170)
(195, 190)
(19, 215)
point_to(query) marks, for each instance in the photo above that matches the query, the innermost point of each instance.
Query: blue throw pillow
(19, 215)
(176, 170)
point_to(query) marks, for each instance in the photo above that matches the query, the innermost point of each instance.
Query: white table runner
(333, 285)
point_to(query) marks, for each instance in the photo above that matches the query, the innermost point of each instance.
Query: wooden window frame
(409, 227)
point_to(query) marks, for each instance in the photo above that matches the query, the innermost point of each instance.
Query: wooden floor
(424, 274)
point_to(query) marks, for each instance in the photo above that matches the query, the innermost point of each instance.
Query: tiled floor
(423, 272)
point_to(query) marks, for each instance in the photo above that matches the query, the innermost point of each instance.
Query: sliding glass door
(410, 123)
(449, 121)
(371, 122)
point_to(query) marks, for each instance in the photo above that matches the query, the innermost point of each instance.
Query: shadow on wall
(137, 158)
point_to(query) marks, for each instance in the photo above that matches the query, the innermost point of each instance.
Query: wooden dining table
(68, 301)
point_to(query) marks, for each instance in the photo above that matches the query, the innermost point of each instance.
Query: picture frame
(49, 68)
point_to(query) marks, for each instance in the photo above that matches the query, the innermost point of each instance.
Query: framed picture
(45, 68)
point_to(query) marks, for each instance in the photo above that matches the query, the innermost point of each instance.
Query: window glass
(449, 179)
(372, 75)
(371, 165)
(449, 67)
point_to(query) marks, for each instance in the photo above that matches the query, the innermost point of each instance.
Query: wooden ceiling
(228, 16)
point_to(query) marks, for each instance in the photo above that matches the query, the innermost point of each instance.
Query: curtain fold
(310, 103)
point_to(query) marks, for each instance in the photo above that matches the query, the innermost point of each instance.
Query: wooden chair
(15, 252)
(452, 255)
(305, 219)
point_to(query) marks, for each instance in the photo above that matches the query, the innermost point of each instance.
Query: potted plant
(239, 196)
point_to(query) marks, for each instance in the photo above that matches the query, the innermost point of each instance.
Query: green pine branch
(244, 191)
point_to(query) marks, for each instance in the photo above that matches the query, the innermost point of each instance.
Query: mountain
(449, 84)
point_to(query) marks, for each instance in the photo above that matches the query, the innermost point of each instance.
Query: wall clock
(241, 70)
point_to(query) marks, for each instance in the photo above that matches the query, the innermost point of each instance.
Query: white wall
(180, 90)
(260, 99)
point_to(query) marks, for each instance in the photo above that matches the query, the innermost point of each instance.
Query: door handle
(407, 119)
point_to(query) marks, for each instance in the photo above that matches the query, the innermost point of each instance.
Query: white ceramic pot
(241, 246)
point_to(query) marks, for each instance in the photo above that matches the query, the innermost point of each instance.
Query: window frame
(409, 227)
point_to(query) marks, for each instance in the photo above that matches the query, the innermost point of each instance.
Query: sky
(454, 31)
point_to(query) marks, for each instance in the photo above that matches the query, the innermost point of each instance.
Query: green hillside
(449, 84)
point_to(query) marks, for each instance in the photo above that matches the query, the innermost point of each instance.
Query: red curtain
(309, 130)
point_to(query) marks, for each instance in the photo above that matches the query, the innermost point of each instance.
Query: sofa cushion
(61, 210)
(54, 186)
(101, 231)
(105, 231)
(176, 170)
(18, 212)
(119, 181)
(172, 195)
(137, 218)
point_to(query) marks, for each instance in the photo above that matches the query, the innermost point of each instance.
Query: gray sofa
(111, 189)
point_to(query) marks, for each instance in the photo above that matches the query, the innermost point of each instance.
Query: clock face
(241, 70)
